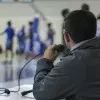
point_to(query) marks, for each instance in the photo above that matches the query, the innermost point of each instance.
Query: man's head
(9, 23)
(23, 27)
(85, 7)
(65, 12)
(98, 17)
(80, 25)
(30, 23)
(49, 25)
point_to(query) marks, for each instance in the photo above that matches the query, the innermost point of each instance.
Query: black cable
(21, 73)
(7, 91)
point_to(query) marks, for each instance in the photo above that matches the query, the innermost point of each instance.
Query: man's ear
(66, 37)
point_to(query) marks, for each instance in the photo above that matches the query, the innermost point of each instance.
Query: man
(98, 25)
(21, 40)
(85, 7)
(77, 75)
(9, 41)
(50, 35)
(30, 36)
(36, 37)
(64, 14)
(36, 24)
(29, 48)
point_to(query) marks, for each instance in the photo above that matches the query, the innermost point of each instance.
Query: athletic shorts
(9, 45)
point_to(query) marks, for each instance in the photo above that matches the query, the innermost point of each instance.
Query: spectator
(9, 40)
(85, 7)
(50, 35)
(98, 25)
(64, 14)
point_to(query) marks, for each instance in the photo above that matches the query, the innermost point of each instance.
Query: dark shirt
(75, 77)
(31, 33)
(50, 33)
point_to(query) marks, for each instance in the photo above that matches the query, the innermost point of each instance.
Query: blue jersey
(10, 33)
(21, 40)
(35, 25)
(51, 34)
(21, 33)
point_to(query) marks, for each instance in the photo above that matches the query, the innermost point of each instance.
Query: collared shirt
(79, 44)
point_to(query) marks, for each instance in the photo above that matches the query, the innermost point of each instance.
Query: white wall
(53, 7)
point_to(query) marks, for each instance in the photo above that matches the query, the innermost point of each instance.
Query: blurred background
(27, 28)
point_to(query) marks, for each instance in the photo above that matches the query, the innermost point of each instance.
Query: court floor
(9, 72)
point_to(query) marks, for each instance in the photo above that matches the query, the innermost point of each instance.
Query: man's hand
(49, 53)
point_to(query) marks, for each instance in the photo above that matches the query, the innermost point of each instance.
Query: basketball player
(36, 37)
(9, 39)
(64, 13)
(36, 23)
(50, 35)
(21, 39)
(85, 7)
(30, 36)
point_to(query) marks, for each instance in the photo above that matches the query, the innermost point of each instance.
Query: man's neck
(74, 46)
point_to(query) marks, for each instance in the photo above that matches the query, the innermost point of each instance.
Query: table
(17, 96)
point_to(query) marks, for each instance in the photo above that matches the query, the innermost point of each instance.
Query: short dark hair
(23, 26)
(98, 17)
(30, 23)
(9, 23)
(81, 25)
(49, 24)
(85, 7)
(64, 12)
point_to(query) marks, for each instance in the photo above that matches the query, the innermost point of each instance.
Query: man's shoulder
(75, 58)
(73, 55)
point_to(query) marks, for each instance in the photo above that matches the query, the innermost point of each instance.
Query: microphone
(58, 49)
(26, 92)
